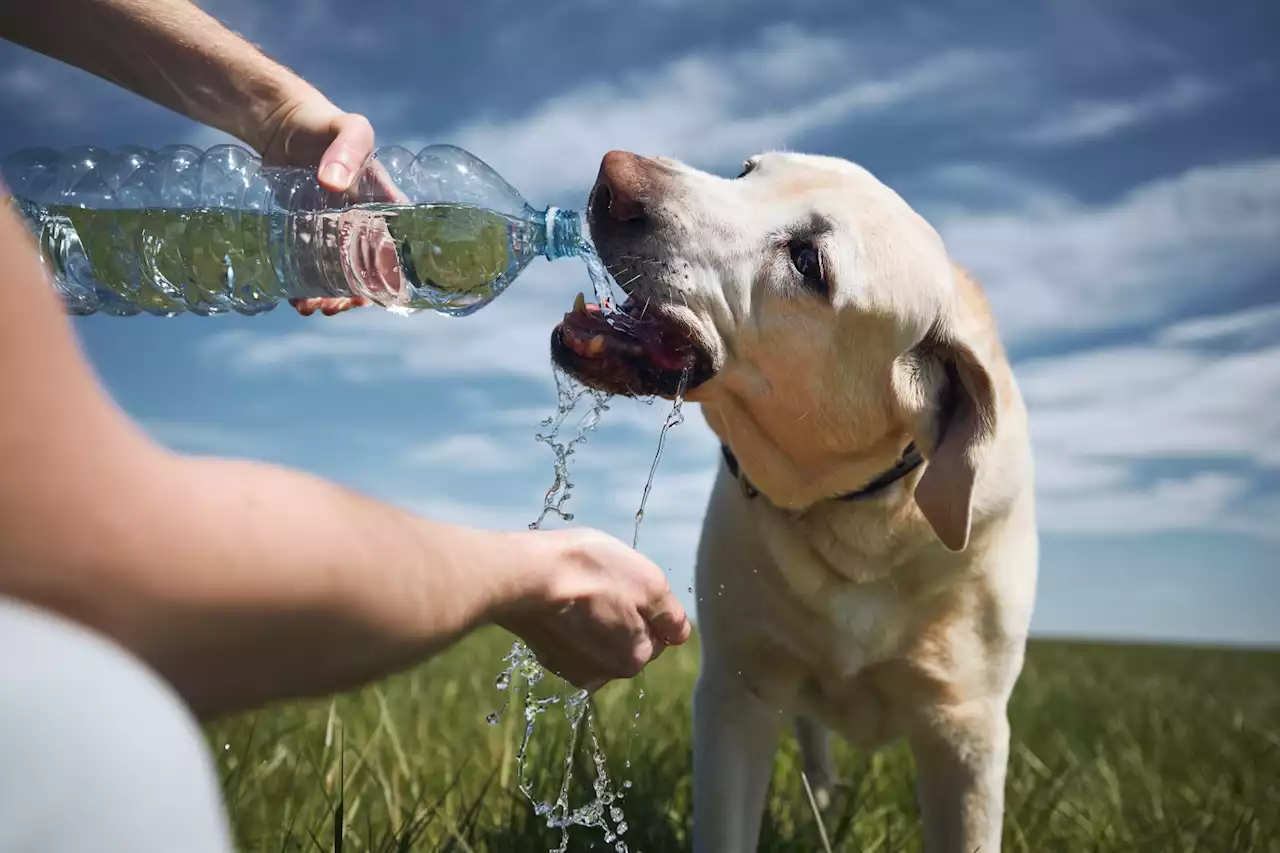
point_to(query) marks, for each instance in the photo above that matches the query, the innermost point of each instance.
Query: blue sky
(1110, 171)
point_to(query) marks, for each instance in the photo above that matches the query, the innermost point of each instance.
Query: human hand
(311, 131)
(593, 609)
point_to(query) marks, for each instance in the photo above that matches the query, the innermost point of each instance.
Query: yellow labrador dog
(869, 556)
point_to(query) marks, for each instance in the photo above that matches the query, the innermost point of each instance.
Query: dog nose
(622, 187)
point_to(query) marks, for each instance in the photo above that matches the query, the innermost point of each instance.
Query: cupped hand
(311, 131)
(594, 610)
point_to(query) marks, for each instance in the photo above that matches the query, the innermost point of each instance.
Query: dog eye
(807, 260)
(747, 168)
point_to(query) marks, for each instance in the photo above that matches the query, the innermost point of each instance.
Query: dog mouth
(639, 349)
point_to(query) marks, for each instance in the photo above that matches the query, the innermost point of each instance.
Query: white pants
(97, 752)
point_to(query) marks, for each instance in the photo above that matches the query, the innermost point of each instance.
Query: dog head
(815, 316)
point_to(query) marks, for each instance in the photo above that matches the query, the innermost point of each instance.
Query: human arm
(244, 583)
(173, 53)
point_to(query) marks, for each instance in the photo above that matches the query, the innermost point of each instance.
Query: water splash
(675, 418)
(568, 393)
(523, 672)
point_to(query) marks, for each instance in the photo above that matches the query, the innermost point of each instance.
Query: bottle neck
(564, 233)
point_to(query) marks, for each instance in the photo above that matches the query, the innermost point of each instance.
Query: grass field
(1116, 748)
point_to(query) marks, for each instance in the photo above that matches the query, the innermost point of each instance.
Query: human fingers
(666, 617)
(351, 147)
(327, 305)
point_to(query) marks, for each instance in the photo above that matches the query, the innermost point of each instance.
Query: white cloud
(1254, 327)
(475, 452)
(679, 491)
(1055, 266)
(1197, 502)
(510, 337)
(1104, 420)
(1085, 121)
(1153, 402)
(712, 109)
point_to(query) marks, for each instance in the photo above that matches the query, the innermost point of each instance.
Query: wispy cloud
(1090, 120)
(510, 337)
(1252, 328)
(1134, 438)
(713, 108)
(473, 452)
(1197, 502)
(1055, 266)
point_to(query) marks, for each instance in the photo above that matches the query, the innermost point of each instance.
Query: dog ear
(963, 425)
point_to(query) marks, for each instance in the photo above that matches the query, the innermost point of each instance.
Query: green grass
(1116, 748)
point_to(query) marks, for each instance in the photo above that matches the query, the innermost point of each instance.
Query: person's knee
(96, 750)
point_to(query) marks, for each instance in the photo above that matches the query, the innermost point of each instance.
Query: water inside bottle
(443, 256)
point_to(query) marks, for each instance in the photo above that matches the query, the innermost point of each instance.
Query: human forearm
(244, 583)
(169, 51)
(299, 587)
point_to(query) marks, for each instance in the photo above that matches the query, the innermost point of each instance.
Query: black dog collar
(908, 462)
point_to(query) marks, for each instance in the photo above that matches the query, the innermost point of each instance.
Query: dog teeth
(580, 304)
(596, 345)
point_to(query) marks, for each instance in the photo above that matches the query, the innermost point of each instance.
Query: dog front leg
(735, 737)
(961, 757)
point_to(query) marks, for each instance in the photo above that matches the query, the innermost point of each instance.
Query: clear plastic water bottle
(179, 230)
